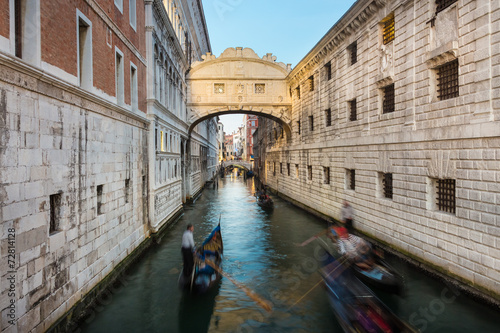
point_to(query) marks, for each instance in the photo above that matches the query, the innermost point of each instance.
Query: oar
(263, 303)
(344, 259)
(313, 238)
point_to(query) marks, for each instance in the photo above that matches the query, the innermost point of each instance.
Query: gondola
(356, 307)
(204, 276)
(265, 202)
(381, 275)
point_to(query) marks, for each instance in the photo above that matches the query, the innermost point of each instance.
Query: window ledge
(442, 54)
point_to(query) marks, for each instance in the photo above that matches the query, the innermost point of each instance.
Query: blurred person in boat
(347, 215)
(187, 248)
(357, 250)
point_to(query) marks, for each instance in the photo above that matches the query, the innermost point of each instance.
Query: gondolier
(187, 250)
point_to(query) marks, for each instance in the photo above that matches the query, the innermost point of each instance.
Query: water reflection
(260, 251)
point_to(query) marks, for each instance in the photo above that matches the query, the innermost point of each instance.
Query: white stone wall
(55, 145)
(423, 140)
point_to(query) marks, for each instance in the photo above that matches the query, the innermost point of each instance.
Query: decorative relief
(240, 88)
(260, 88)
(386, 61)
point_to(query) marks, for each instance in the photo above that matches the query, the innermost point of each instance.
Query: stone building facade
(84, 179)
(397, 110)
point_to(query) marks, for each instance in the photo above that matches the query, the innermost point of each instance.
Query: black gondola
(204, 276)
(356, 307)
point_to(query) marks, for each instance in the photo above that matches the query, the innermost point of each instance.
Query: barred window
(328, 71)
(328, 117)
(311, 82)
(260, 88)
(387, 185)
(352, 110)
(445, 199)
(443, 4)
(388, 104)
(219, 88)
(275, 134)
(351, 179)
(388, 23)
(288, 169)
(447, 77)
(274, 168)
(309, 172)
(298, 126)
(311, 123)
(326, 175)
(297, 170)
(353, 53)
(297, 92)
(281, 168)
(99, 199)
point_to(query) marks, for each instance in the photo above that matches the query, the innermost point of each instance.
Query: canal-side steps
(475, 292)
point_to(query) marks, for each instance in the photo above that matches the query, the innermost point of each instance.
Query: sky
(288, 29)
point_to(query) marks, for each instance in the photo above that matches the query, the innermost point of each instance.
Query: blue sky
(288, 29)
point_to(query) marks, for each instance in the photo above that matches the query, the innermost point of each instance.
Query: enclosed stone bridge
(239, 81)
(237, 164)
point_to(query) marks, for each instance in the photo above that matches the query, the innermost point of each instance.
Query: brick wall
(4, 18)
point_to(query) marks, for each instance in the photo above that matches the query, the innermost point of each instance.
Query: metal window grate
(352, 179)
(281, 168)
(448, 80)
(328, 70)
(288, 169)
(298, 127)
(387, 184)
(446, 195)
(353, 53)
(311, 123)
(326, 175)
(352, 109)
(311, 83)
(388, 106)
(55, 212)
(389, 29)
(297, 92)
(443, 4)
(328, 117)
(309, 172)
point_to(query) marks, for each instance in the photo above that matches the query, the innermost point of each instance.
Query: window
(311, 123)
(127, 190)
(134, 100)
(443, 4)
(84, 52)
(388, 103)
(310, 81)
(119, 78)
(133, 13)
(309, 172)
(388, 28)
(274, 168)
(281, 168)
(297, 92)
(119, 5)
(55, 212)
(328, 117)
(298, 127)
(219, 88)
(352, 110)
(445, 195)
(447, 77)
(99, 199)
(260, 88)
(326, 175)
(275, 134)
(162, 141)
(288, 169)
(352, 51)
(27, 32)
(387, 185)
(297, 171)
(328, 71)
(351, 179)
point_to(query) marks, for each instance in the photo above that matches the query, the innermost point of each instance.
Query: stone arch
(239, 81)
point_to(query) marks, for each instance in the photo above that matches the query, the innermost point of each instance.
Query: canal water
(261, 252)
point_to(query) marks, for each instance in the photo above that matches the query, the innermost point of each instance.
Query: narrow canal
(260, 251)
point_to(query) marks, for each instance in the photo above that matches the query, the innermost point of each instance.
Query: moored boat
(356, 307)
(265, 202)
(204, 275)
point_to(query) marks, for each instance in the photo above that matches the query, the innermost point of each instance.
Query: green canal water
(260, 252)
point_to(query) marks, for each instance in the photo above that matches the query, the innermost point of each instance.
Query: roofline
(205, 28)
